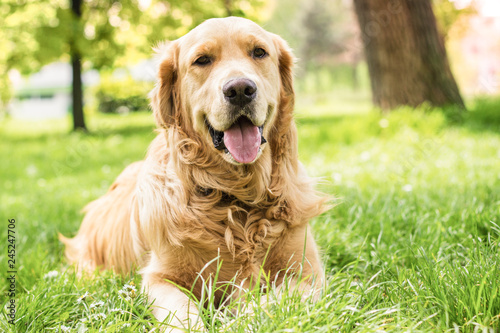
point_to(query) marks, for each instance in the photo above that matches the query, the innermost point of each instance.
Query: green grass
(412, 244)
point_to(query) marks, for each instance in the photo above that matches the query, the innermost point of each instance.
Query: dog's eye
(203, 60)
(259, 52)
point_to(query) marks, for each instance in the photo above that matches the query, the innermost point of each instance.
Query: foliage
(447, 14)
(110, 33)
(412, 245)
(122, 96)
(485, 114)
(323, 33)
(328, 79)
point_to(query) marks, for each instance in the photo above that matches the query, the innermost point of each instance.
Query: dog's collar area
(218, 137)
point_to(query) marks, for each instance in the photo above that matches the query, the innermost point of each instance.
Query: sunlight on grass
(345, 102)
(412, 244)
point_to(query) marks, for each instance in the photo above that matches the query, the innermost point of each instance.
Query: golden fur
(187, 202)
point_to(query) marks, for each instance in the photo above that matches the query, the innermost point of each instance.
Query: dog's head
(224, 81)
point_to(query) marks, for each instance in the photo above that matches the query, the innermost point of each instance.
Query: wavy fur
(184, 205)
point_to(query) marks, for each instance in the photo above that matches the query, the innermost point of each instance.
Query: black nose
(240, 92)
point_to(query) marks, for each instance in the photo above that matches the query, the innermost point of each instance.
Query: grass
(412, 245)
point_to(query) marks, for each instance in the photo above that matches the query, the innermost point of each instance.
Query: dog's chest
(245, 233)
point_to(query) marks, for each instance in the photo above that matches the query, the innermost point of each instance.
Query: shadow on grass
(328, 119)
(127, 130)
(101, 128)
(483, 115)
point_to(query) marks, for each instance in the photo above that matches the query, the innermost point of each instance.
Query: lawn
(411, 245)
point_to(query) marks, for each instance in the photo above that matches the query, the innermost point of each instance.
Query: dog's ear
(163, 99)
(286, 62)
(284, 128)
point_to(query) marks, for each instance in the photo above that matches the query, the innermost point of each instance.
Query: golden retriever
(221, 180)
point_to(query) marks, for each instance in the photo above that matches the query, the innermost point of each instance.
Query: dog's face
(228, 74)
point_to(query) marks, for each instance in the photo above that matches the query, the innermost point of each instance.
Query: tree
(323, 34)
(447, 15)
(76, 64)
(96, 33)
(406, 56)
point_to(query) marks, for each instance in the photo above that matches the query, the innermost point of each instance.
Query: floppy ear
(294, 198)
(286, 62)
(163, 99)
(284, 127)
(283, 136)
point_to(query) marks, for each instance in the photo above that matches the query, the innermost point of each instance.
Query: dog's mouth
(242, 140)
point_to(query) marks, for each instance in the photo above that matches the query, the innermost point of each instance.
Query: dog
(221, 180)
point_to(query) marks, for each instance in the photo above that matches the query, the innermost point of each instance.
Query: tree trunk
(406, 57)
(77, 91)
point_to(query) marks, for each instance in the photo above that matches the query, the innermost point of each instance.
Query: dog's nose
(240, 92)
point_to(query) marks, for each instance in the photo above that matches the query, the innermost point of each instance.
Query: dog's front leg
(298, 267)
(171, 306)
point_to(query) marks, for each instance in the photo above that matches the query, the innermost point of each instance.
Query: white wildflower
(65, 328)
(51, 274)
(383, 123)
(129, 288)
(96, 305)
(81, 328)
(365, 156)
(337, 178)
(128, 291)
(31, 170)
(408, 188)
(125, 295)
(99, 316)
(82, 298)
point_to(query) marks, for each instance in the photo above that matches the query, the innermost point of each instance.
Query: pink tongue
(243, 140)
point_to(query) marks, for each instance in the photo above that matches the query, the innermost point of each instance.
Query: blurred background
(60, 57)
(398, 116)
